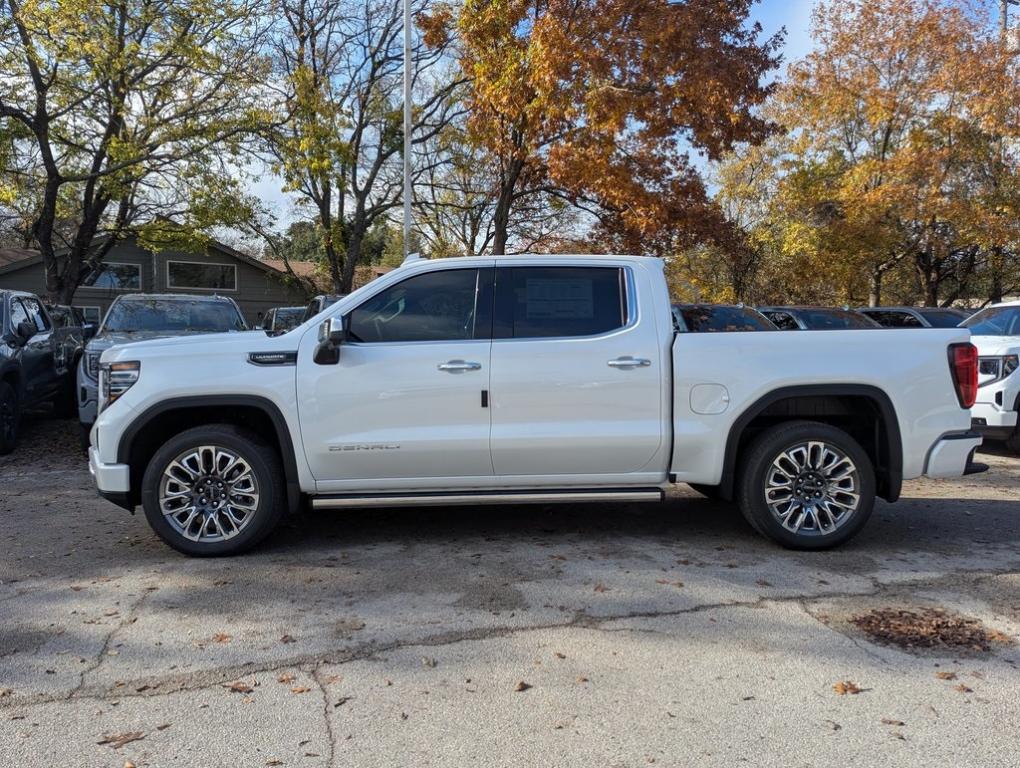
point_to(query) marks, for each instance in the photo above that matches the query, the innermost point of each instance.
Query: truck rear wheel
(806, 485)
(214, 490)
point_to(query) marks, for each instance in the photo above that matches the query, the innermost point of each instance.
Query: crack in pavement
(130, 617)
(212, 677)
(330, 739)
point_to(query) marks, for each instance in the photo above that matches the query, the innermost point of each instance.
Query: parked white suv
(525, 379)
(996, 333)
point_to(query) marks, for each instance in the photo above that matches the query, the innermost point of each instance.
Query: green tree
(118, 116)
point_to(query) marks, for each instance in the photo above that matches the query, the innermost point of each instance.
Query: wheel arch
(161, 421)
(840, 405)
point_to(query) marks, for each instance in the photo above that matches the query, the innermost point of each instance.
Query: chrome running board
(461, 498)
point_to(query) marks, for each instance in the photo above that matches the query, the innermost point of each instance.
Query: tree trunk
(353, 255)
(875, 288)
(501, 217)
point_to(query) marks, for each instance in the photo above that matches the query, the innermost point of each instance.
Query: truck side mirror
(24, 331)
(332, 334)
(88, 331)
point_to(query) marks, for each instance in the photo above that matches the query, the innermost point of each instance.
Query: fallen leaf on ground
(239, 686)
(521, 686)
(833, 725)
(945, 675)
(287, 639)
(763, 583)
(890, 721)
(928, 628)
(582, 679)
(118, 740)
(600, 587)
(221, 637)
(300, 689)
(963, 688)
(285, 679)
(559, 655)
(162, 727)
(843, 687)
(274, 762)
(128, 764)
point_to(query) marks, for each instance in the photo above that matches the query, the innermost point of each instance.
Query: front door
(576, 374)
(37, 359)
(407, 399)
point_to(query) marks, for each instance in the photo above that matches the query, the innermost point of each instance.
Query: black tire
(758, 460)
(269, 482)
(84, 436)
(65, 405)
(1013, 441)
(708, 491)
(10, 418)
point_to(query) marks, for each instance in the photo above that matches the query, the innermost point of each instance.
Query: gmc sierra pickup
(524, 379)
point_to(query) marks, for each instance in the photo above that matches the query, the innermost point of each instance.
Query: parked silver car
(139, 317)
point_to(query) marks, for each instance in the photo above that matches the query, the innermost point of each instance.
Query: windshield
(181, 315)
(943, 318)
(833, 319)
(708, 319)
(995, 321)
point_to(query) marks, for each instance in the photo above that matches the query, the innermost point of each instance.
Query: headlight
(92, 364)
(115, 379)
(998, 367)
(1009, 364)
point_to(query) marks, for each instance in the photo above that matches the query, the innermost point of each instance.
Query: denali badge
(365, 447)
(272, 358)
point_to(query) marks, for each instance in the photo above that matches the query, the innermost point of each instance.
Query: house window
(91, 314)
(201, 276)
(117, 277)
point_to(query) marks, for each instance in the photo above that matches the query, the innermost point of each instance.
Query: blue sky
(795, 15)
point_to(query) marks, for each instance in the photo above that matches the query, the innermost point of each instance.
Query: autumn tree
(339, 144)
(901, 155)
(117, 116)
(598, 103)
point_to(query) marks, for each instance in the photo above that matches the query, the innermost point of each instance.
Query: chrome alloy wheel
(208, 494)
(812, 488)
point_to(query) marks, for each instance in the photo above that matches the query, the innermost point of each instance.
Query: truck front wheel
(214, 490)
(806, 485)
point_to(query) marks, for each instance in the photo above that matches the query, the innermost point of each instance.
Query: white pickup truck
(525, 379)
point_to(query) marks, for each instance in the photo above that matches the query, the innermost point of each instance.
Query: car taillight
(963, 364)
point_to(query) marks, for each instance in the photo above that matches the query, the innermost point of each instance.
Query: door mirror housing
(88, 331)
(332, 333)
(24, 331)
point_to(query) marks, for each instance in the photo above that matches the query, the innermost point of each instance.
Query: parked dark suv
(36, 363)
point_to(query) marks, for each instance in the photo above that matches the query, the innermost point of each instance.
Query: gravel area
(514, 636)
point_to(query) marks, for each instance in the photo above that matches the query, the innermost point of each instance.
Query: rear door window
(551, 302)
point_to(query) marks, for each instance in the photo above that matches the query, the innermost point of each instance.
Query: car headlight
(1009, 364)
(92, 364)
(115, 379)
(998, 367)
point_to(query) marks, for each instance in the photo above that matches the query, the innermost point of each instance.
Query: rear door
(408, 398)
(576, 380)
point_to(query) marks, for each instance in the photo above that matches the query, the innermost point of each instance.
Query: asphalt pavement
(609, 635)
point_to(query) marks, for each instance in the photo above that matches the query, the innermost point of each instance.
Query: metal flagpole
(407, 128)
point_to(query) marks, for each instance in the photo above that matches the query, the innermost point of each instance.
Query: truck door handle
(455, 366)
(629, 362)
